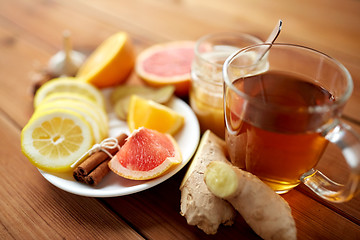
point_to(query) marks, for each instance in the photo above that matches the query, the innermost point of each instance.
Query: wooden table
(30, 33)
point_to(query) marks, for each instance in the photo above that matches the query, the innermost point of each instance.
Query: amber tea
(278, 145)
(279, 121)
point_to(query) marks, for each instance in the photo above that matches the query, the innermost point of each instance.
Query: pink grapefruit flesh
(146, 154)
(167, 64)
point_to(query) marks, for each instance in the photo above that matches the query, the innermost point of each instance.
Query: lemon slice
(85, 111)
(111, 62)
(54, 139)
(59, 96)
(80, 101)
(68, 84)
(152, 115)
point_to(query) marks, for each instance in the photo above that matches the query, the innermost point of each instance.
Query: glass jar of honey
(206, 93)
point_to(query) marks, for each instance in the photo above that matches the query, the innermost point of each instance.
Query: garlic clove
(67, 61)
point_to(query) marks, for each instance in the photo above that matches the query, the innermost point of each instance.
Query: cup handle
(345, 138)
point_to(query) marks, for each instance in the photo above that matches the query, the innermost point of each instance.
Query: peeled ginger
(268, 214)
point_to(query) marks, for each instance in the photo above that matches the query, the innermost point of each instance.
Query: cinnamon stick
(93, 161)
(93, 169)
(98, 174)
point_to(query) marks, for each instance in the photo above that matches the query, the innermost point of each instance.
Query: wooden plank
(30, 32)
(189, 20)
(333, 165)
(24, 45)
(156, 213)
(89, 27)
(32, 208)
(18, 60)
(315, 221)
(160, 206)
(193, 19)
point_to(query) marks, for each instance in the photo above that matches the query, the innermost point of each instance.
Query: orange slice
(149, 114)
(147, 154)
(167, 64)
(111, 63)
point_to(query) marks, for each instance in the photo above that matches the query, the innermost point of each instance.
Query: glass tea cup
(206, 94)
(280, 120)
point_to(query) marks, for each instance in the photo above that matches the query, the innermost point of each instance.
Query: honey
(206, 94)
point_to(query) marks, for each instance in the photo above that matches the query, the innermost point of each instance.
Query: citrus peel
(167, 64)
(149, 114)
(54, 139)
(146, 154)
(110, 64)
(68, 84)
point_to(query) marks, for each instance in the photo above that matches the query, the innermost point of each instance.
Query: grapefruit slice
(167, 64)
(147, 154)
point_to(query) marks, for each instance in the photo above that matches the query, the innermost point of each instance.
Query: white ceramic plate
(113, 185)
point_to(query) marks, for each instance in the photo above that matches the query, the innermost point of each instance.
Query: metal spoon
(271, 39)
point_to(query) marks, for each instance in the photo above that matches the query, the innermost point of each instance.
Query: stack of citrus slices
(69, 118)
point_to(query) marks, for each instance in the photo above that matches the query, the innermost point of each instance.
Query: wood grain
(30, 33)
(33, 208)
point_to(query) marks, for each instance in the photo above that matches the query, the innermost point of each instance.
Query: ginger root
(268, 214)
(198, 205)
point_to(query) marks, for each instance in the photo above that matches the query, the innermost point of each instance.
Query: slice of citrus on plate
(149, 114)
(89, 114)
(120, 96)
(59, 96)
(68, 84)
(167, 64)
(55, 139)
(111, 62)
(147, 154)
(81, 102)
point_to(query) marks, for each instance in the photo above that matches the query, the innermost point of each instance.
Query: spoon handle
(271, 39)
(275, 33)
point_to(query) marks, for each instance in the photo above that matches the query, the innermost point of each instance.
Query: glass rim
(220, 35)
(340, 100)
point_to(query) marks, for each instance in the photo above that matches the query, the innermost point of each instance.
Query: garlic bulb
(67, 61)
